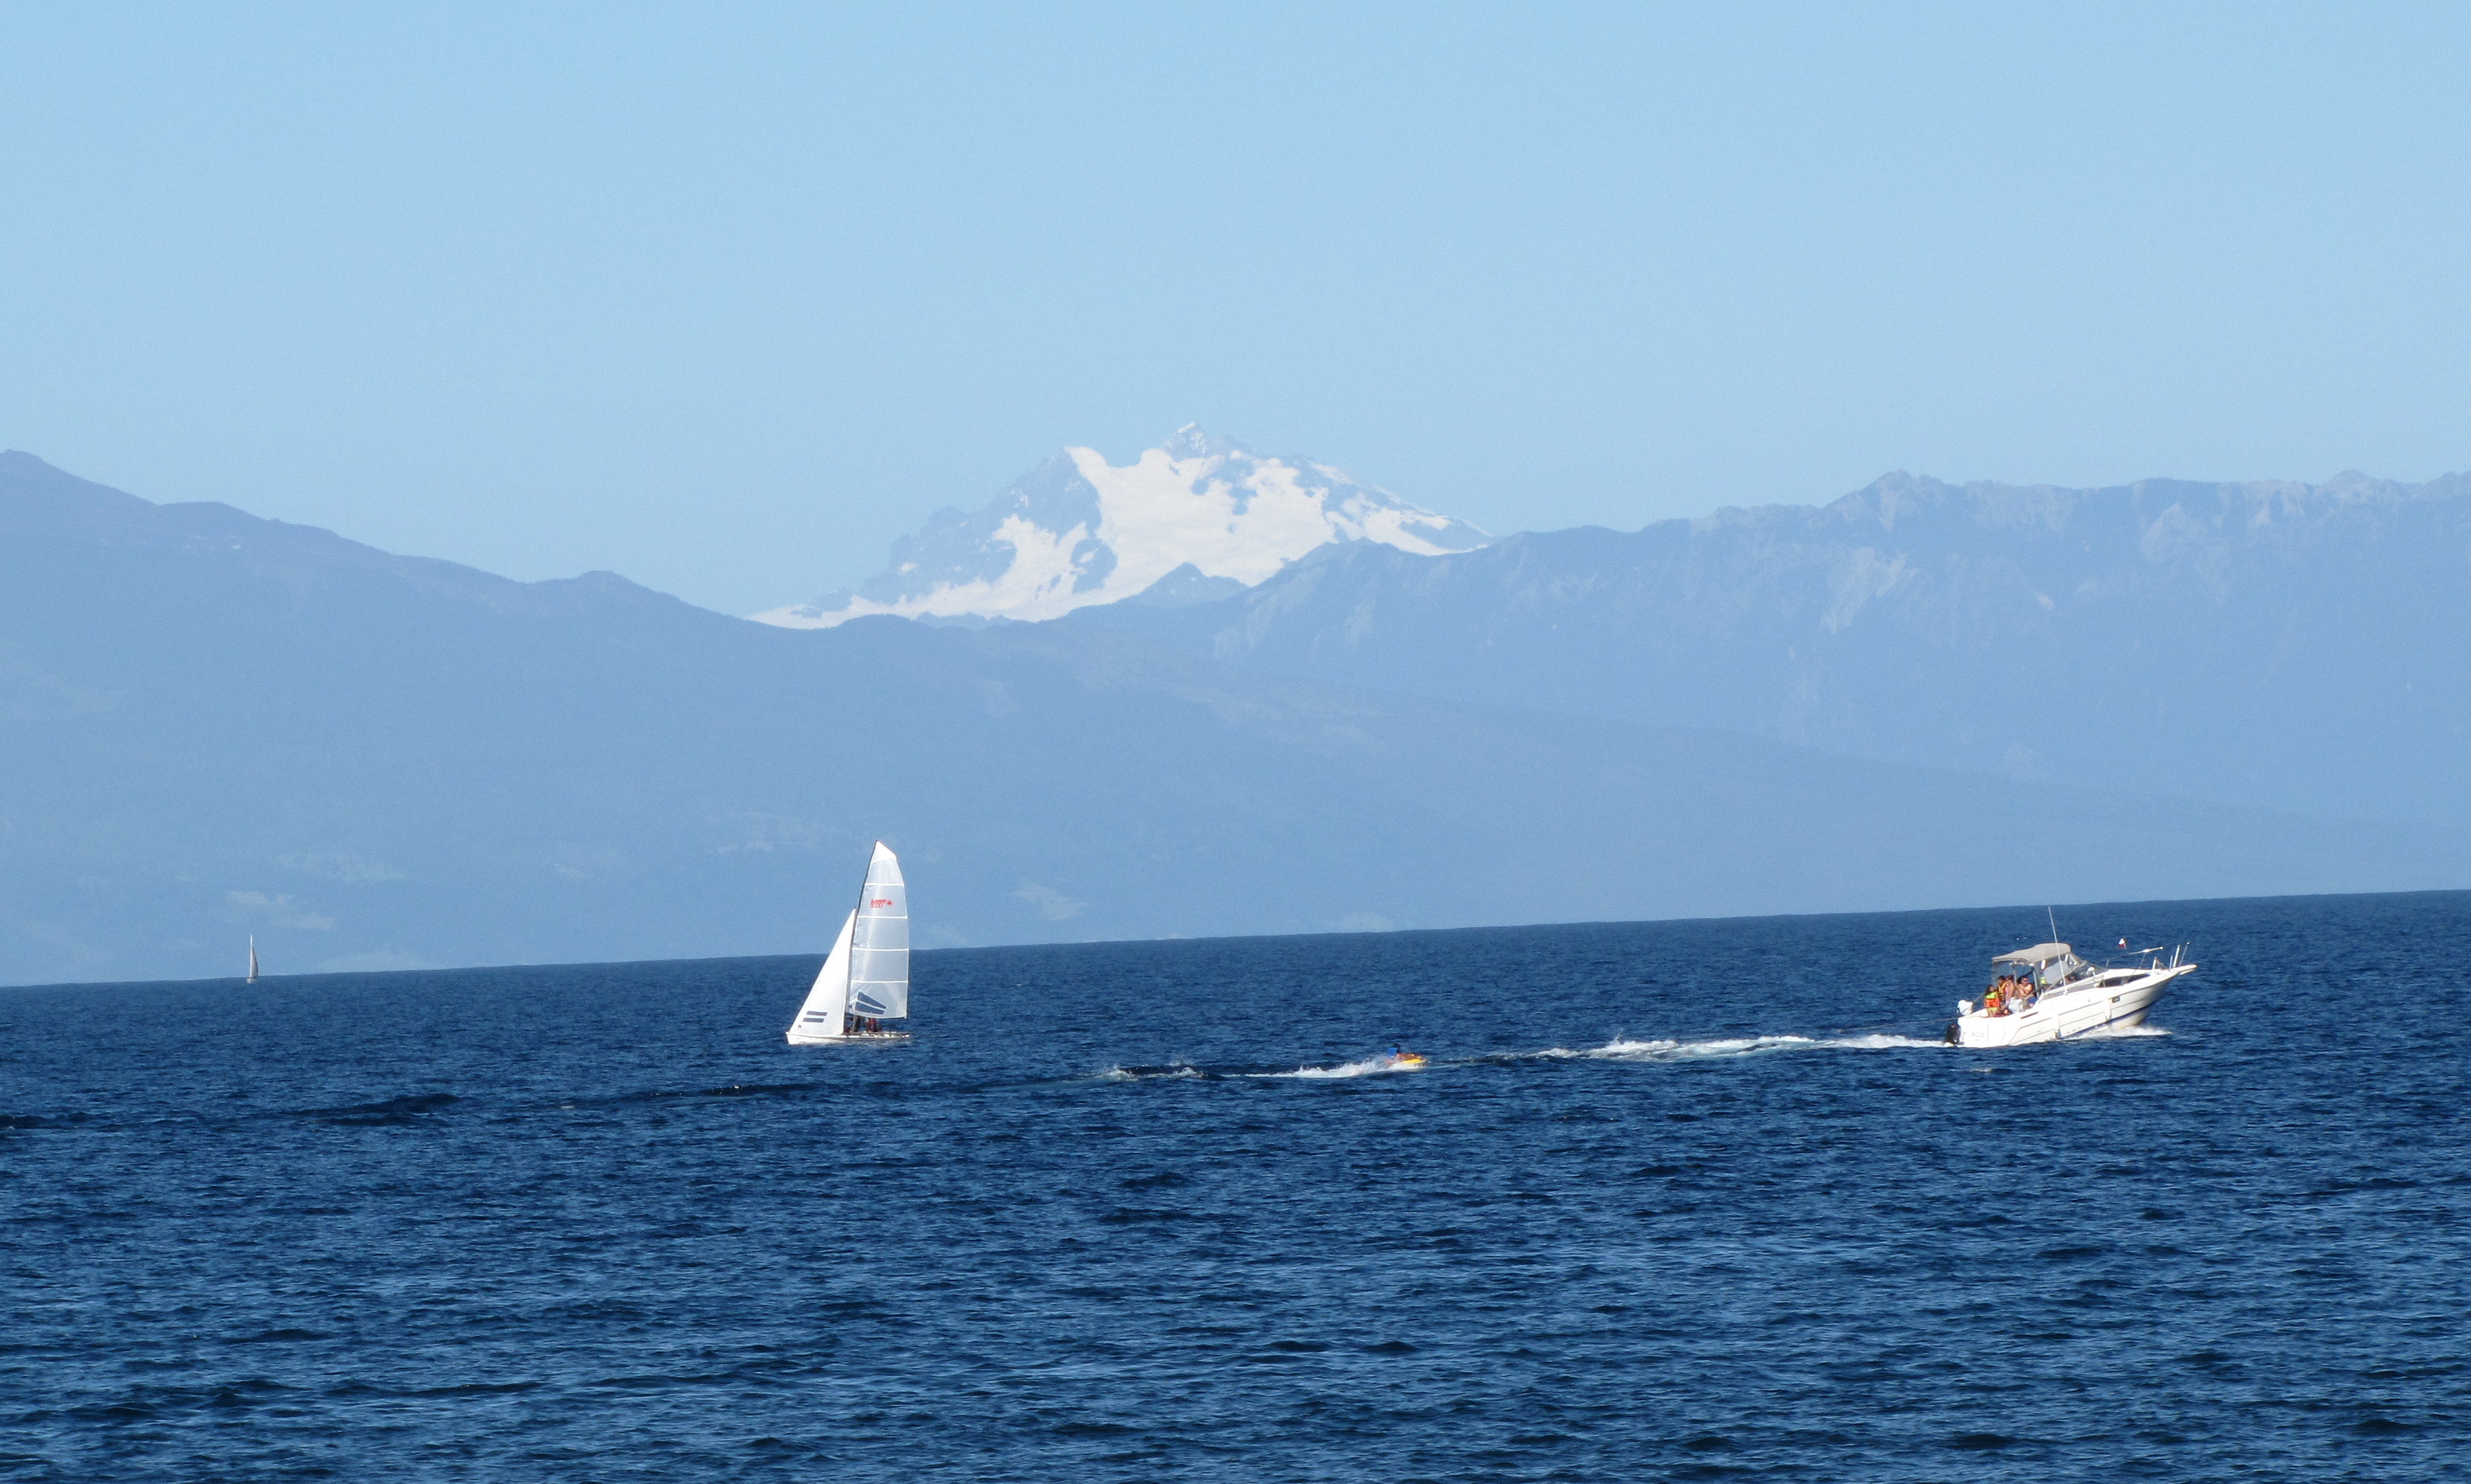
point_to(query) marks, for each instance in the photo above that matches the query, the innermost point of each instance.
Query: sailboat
(866, 978)
(252, 959)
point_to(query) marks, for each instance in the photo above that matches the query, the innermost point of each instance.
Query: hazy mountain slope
(1078, 530)
(218, 725)
(2288, 646)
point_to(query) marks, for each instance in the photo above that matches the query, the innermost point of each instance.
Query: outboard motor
(1953, 1036)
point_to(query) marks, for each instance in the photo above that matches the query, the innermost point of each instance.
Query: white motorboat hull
(2103, 1002)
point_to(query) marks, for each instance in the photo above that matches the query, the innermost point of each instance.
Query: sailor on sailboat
(866, 978)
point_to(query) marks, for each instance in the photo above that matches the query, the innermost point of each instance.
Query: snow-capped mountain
(1198, 517)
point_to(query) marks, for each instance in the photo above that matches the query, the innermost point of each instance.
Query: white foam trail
(1144, 1073)
(1373, 1067)
(2120, 1032)
(1623, 1050)
(1690, 1050)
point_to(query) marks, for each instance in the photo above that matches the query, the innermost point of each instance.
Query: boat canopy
(2038, 955)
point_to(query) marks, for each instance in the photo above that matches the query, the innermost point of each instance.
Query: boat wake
(1621, 1048)
(1180, 1071)
(1624, 1050)
(1371, 1066)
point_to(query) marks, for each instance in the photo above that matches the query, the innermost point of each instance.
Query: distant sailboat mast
(253, 959)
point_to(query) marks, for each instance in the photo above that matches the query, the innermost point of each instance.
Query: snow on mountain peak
(1077, 531)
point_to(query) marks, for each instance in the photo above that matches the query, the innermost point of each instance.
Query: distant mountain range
(2286, 646)
(1197, 517)
(219, 725)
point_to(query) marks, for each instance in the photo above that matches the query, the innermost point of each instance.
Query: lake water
(1681, 1200)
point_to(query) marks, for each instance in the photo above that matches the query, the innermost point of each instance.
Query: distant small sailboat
(866, 978)
(252, 959)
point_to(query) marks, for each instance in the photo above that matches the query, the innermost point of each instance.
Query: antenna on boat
(2055, 923)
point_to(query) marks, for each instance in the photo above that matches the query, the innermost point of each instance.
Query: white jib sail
(824, 1014)
(880, 950)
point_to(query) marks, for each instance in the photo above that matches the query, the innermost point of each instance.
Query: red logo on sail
(881, 902)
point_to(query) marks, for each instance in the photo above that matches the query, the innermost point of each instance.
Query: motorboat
(2059, 996)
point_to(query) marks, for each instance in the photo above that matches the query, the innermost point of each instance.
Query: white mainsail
(253, 959)
(880, 950)
(825, 1014)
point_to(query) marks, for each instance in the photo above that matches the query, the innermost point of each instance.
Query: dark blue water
(600, 1223)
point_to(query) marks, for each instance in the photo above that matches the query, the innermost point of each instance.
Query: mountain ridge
(219, 725)
(2275, 644)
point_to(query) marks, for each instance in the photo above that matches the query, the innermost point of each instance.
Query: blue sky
(724, 297)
